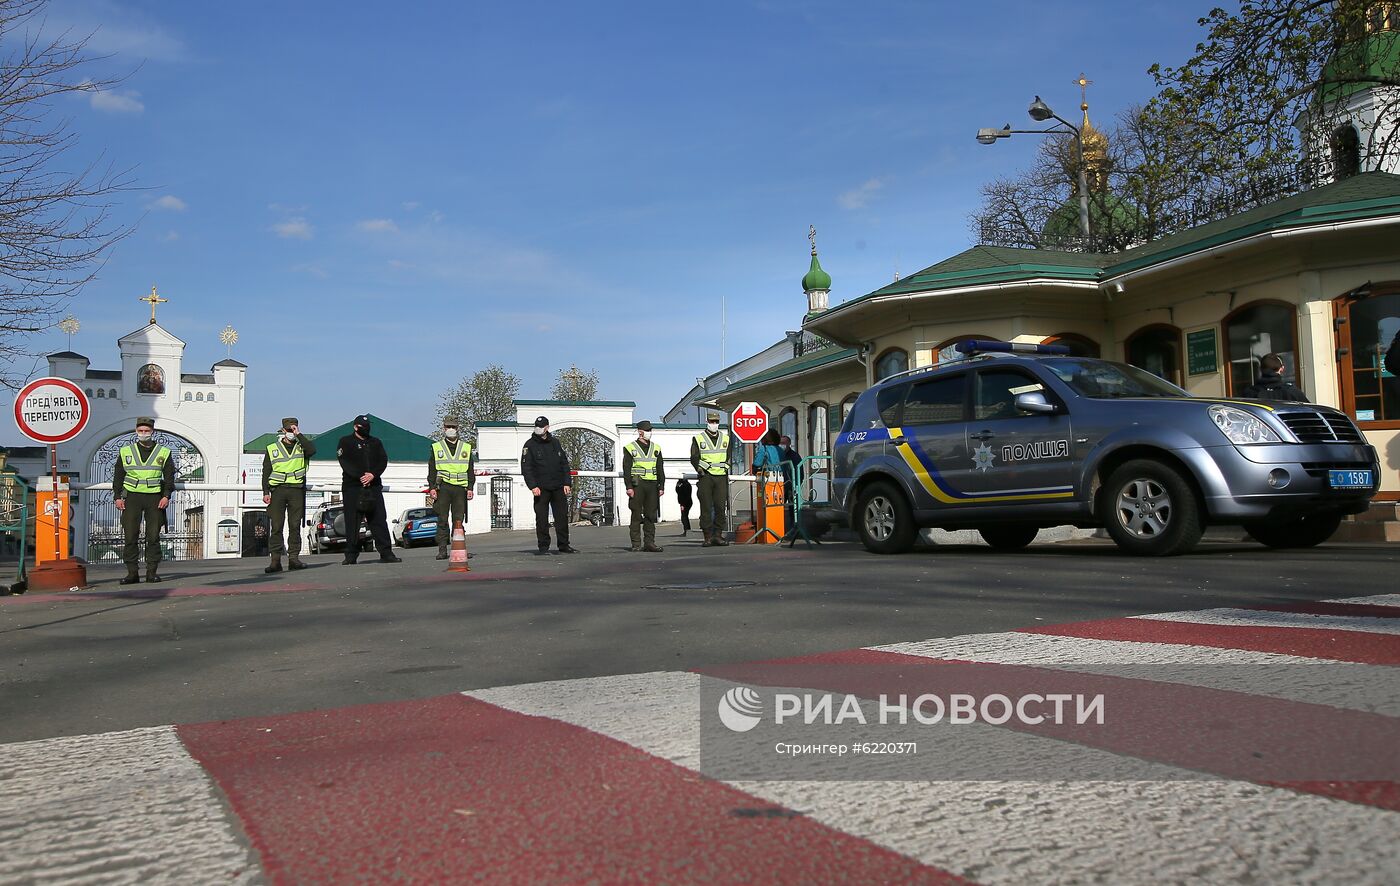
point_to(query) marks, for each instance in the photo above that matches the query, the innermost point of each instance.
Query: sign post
(54, 411)
(749, 422)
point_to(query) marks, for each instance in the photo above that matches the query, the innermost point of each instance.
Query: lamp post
(1040, 112)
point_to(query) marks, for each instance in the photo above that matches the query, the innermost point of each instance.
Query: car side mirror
(1034, 402)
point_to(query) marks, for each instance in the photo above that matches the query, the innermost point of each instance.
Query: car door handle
(899, 441)
(984, 435)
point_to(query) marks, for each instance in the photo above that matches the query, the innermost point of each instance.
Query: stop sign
(51, 410)
(749, 422)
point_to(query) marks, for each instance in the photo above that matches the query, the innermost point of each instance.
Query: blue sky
(382, 199)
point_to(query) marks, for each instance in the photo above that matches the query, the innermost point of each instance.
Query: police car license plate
(1349, 479)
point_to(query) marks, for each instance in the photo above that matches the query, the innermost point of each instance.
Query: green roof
(1360, 196)
(813, 360)
(400, 444)
(1367, 195)
(627, 403)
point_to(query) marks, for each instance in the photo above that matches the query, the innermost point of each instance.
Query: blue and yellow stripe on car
(932, 481)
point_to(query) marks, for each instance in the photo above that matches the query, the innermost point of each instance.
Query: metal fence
(181, 539)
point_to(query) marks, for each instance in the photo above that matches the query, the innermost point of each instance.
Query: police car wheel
(1299, 532)
(1009, 538)
(1149, 509)
(884, 521)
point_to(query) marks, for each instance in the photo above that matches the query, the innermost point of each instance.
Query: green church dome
(816, 278)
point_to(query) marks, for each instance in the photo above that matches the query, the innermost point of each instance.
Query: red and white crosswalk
(599, 779)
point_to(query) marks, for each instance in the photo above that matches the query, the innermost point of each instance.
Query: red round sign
(51, 410)
(749, 421)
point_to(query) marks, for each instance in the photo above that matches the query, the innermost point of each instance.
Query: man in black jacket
(362, 464)
(547, 472)
(1270, 384)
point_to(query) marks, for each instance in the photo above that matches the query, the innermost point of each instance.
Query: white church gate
(183, 538)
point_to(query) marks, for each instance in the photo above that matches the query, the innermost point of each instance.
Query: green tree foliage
(485, 395)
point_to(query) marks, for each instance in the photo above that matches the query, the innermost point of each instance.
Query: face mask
(289, 437)
(540, 432)
(143, 437)
(450, 433)
(644, 436)
(362, 430)
(713, 426)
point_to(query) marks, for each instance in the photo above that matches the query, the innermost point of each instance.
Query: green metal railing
(800, 501)
(14, 517)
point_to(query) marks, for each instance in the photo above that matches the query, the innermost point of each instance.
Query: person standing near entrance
(546, 469)
(1270, 384)
(685, 500)
(709, 455)
(141, 485)
(284, 493)
(362, 465)
(451, 471)
(645, 477)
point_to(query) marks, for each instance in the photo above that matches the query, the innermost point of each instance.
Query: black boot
(443, 553)
(131, 578)
(294, 563)
(151, 577)
(274, 566)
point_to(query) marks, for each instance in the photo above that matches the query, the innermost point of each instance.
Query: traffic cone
(458, 561)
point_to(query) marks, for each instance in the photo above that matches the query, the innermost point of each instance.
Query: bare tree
(485, 395)
(55, 225)
(588, 451)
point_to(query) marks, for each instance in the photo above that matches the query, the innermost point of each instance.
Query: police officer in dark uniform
(546, 469)
(644, 475)
(362, 464)
(141, 484)
(284, 493)
(451, 471)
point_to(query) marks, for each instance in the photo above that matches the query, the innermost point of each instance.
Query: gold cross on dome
(1083, 83)
(153, 299)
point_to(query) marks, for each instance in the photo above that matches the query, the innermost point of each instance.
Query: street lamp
(1040, 112)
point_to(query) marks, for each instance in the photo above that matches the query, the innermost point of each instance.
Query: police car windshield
(1102, 379)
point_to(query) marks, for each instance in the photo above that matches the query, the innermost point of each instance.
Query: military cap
(713, 416)
(541, 422)
(146, 422)
(451, 422)
(644, 425)
(288, 422)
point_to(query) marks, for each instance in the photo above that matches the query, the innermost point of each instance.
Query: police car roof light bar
(976, 346)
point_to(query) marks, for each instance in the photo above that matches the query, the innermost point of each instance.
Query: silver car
(1008, 443)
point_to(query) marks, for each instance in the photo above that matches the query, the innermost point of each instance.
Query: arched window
(1367, 329)
(189, 396)
(1256, 329)
(199, 398)
(1156, 348)
(818, 434)
(1079, 345)
(892, 361)
(1346, 151)
(210, 398)
(787, 423)
(948, 350)
(100, 395)
(112, 393)
(847, 405)
(88, 391)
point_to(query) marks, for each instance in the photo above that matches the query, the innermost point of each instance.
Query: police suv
(1020, 437)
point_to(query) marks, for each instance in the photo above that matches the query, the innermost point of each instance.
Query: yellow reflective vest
(288, 465)
(143, 476)
(643, 463)
(714, 459)
(455, 470)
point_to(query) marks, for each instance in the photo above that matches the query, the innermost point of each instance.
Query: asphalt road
(221, 640)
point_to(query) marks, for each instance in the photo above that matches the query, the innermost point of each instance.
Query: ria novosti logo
(740, 709)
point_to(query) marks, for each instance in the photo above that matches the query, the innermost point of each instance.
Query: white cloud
(378, 226)
(171, 236)
(294, 229)
(171, 202)
(311, 268)
(111, 101)
(435, 216)
(410, 205)
(857, 198)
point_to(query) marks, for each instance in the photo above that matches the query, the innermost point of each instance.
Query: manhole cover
(701, 586)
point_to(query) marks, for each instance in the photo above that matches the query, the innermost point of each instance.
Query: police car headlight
(1241, 427)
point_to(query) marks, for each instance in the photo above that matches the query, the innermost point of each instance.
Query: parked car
(327, 529)
(592, 510)
(1008, 443)
(413, 526)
